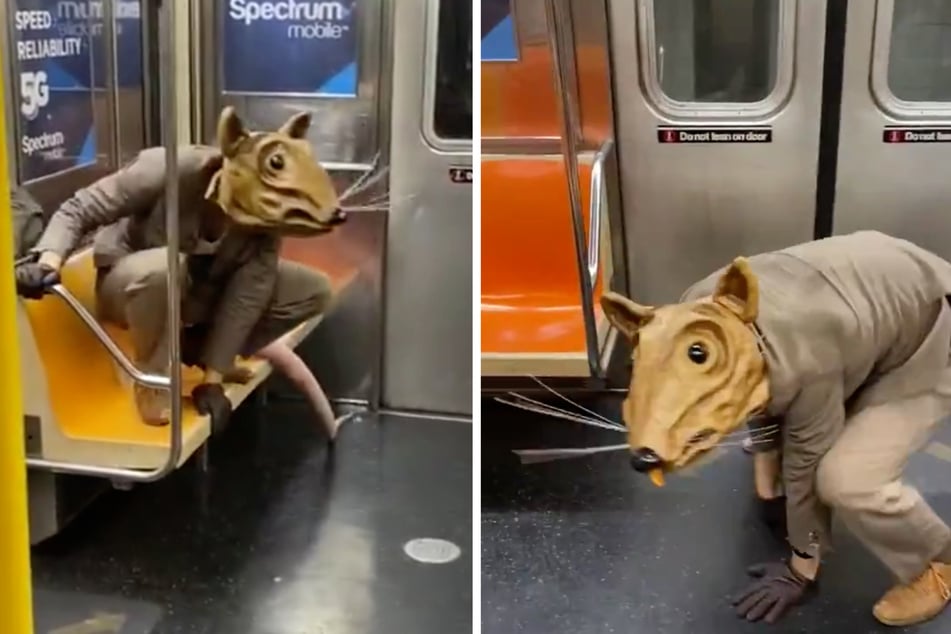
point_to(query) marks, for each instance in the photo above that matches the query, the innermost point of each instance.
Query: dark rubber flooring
(588, 545)
(280, 537)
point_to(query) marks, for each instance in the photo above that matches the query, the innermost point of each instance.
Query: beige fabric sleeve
(814, 420)
(133, 187)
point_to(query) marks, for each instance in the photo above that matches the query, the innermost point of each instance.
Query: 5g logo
(34, 93)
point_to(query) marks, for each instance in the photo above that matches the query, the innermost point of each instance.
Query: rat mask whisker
(564, 411)
(547, 412)
(565, 398)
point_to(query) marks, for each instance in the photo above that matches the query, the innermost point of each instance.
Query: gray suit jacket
(128, 206)
(849, 322)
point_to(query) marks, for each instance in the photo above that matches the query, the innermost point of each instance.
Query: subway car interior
(637, 146)
(262, 526)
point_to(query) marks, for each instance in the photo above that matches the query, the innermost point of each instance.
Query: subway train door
(427, 361)
(718, 108)
(895, 130)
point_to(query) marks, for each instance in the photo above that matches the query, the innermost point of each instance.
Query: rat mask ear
(296, 127)
(231, 132)
(738, 290)
(625, 315)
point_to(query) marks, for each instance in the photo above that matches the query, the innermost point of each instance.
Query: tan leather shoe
(917, 602)
(238, 374)
(153, 405)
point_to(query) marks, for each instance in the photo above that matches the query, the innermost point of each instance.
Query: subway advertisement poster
(290, 47)
(499, 43)
(53, 79)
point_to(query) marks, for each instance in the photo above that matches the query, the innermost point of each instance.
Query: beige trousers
(860, 478)
(133, 294)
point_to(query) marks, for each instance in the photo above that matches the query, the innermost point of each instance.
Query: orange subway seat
(531, 296)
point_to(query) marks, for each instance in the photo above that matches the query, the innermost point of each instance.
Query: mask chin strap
(213, 194)
(760, 337)
(761, 345)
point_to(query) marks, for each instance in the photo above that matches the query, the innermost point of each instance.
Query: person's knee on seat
(319, 299)
(321, 293)
(311, 301)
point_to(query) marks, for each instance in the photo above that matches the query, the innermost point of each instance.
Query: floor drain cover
(432, 551)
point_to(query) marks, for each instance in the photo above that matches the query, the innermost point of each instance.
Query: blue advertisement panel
(129, 43)
(128, 15)
(88, 16)
(53, 79)
(499, 43)
(290, 47)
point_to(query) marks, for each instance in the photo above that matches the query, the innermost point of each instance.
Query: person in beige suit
(844, 346)
(238, 297)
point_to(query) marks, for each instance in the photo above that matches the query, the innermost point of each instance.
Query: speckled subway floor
(281, 537)
(587, 545)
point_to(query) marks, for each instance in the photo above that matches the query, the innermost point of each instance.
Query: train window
(919, 52)
(452, 107)
(712, 52)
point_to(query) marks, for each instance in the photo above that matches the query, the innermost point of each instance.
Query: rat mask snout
(644, 460)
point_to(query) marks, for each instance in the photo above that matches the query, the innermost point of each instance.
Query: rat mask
(698, 371)
(271, 180)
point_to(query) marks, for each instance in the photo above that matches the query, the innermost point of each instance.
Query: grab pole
(558, 20)
(169, 95)
(16, 616)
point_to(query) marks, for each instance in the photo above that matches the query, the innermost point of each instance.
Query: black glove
(773, 514)
(210, 400)
(33, 279)
(778, 588)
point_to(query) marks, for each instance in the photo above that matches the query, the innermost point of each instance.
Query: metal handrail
(150, 380)
(174, 381)
(595, 211)
(558, 19)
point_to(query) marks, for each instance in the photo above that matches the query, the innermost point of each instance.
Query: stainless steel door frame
(427, 352)
(691, 208)
(895, 188)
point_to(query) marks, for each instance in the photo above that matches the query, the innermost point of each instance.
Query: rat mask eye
(697, 352)
(276, 162)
